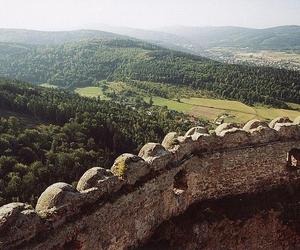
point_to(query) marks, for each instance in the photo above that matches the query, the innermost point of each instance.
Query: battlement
(121, 207)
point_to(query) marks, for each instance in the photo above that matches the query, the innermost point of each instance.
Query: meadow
(200, 107)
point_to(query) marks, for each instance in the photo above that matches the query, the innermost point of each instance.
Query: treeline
(244, 83)
(85, 63)
(75, 134)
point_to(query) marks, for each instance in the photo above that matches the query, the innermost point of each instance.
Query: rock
(297, 120)
(279, 120)
(170, 140)
(130, 168)
(18, 222)
(92, 177)
(198, 130)
(254, 124)
(9, 212)
(234, 137)
(288, 130)
(56, 196)
(152, 150)
(224, 126)
(263, 134)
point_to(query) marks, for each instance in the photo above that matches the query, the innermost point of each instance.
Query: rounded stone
(152, 150)
(18, 222)
(198, 130)
(55, 196)
(130, 168)
(223, 127)
(297, 120)
(254, 124)
(170, 140)
(279, 120)
(92, 177)
(9, 212)
(288, 130)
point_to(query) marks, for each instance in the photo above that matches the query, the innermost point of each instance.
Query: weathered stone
(233, 167)
(224, 126)
(254, 124)
(56, 196)
(9, 213)
(92, 177)
(18, 222)
(288, 130)
(234, 137)
(130, 168)
(279, 120)
(156, 155)
(152, 150)
(198, 130)
(263, 134)
(297, 120)
(170, 140)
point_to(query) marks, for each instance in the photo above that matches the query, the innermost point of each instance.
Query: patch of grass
(271, 113)
(213, 108)
(294, 106)
(48, 85)
(171, 104)
(220, 104)
(91, 92)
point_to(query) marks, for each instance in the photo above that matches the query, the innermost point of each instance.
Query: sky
(147, 14)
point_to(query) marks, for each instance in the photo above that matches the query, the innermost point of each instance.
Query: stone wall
(121, 208)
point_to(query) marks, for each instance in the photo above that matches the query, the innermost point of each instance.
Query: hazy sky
(71, 14)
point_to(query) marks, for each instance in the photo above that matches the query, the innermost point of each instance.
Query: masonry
(122, 207)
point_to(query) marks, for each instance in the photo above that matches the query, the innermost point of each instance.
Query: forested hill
(86, 62)
(53, 37)
(275, 38)
(72, 135)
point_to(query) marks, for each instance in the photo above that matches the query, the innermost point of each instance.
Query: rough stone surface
(208, 167)
(198, 130)
(92, 178)
(224, 126)
(56, 196)
(297, 121)
(152, 150)
(279, 120)
(288, 131)
(233, 137)
(18, 221)
(130, 168)
(254, 124)
(263, 135)
(170, 140)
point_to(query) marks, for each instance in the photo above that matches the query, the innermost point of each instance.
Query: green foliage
(76, 134)
(88, 62)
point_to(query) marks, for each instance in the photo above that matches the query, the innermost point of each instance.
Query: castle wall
(122, 208)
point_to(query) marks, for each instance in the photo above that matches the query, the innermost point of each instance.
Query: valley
(190, 103)
(278, 59)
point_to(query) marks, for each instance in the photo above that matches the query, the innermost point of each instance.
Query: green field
(91, 92)
(211, 109)
(205, 108)
(48, 85)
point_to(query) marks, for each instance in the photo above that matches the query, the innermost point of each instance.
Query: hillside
(86, 62)
(53, 37)
(73, 134)
(276, 38)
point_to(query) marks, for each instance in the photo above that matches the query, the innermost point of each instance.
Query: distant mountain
(85, 63)
(161, 38)
(53, 37)
(277, 38)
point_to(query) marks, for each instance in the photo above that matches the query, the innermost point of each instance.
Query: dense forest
(67, 134)
(84, 63)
